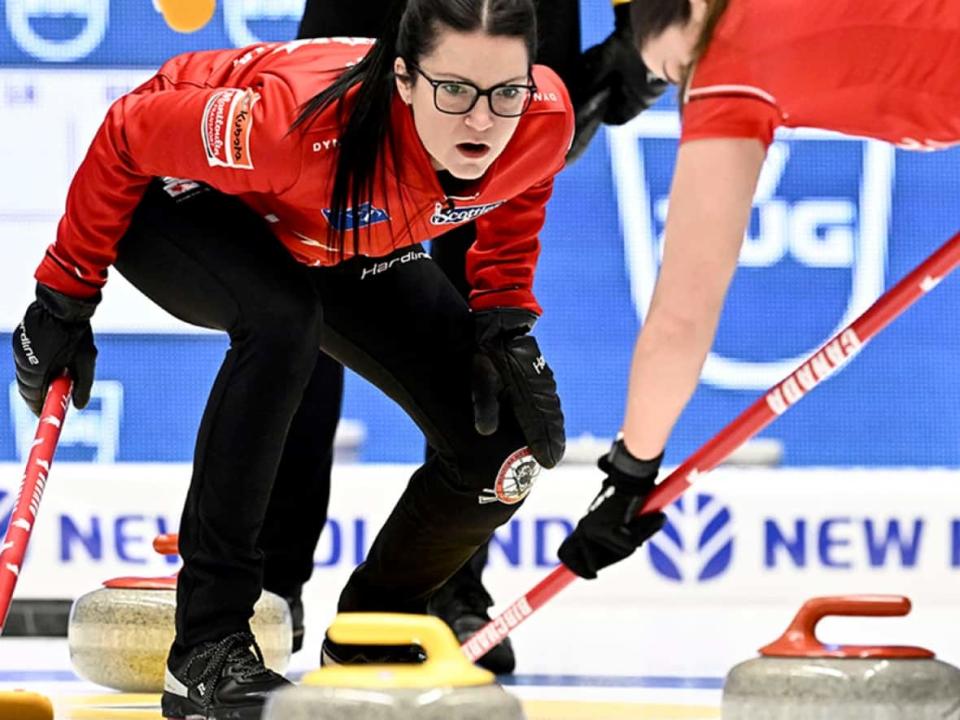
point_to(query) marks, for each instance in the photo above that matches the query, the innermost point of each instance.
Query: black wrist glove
(611, 530)
(508, 363)
(55, 335)
(614, 85)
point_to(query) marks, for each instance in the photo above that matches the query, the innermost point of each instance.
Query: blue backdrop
(836, 221)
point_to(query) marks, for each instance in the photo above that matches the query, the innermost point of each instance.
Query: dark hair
(649, 18)
(410, 31)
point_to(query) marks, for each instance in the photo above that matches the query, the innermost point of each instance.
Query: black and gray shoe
(464, 607)
(334, 653)
(223, 680)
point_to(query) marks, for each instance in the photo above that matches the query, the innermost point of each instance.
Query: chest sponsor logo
(813, 257)
(367, 215)
(444, 215)
(226, 127)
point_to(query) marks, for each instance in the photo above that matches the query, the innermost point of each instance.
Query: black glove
(611, 530)
(509, 363)
(614, 85)
(55, 335)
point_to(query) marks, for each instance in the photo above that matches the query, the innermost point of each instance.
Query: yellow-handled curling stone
(446, 686)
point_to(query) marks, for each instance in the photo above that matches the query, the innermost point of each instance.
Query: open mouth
(473, 150)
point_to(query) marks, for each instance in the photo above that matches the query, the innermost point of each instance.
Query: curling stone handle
(167, 544)
(397, 629)
(818, 608)
(445, 667)
(800, 640)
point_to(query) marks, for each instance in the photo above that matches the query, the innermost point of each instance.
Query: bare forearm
(709, 208)
(667, 361)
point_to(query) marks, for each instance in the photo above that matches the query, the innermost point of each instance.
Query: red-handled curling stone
(797, 677)
(119, 635)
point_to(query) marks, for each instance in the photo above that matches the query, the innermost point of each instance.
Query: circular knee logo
(515, 479)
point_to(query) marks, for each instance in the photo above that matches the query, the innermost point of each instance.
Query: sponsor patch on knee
(514, 480)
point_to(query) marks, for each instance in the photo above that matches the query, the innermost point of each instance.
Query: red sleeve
(234, 139)
(501, 262)
(728, 116)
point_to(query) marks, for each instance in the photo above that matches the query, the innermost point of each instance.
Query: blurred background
(865, 493)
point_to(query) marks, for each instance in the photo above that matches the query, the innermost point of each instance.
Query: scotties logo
(696, 544)
(58, 30)
(444, 215)
(813, 257)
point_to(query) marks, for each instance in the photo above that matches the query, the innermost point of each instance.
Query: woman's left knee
(504, 473)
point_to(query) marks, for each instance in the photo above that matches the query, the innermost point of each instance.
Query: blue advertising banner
(836, 221)
(131, 33)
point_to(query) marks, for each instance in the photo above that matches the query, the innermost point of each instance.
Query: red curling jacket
(223, 117)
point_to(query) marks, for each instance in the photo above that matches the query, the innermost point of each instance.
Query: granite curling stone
(120, 634)
(799, 678)
(446, 686)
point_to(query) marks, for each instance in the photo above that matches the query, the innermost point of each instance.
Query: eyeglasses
(458, 97)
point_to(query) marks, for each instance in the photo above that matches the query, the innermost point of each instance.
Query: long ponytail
(364, 122)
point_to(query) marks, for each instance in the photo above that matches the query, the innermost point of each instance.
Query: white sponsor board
(739, 534)
(746, 548)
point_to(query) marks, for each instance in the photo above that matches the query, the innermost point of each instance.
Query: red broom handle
(780, 398)
(25, 510)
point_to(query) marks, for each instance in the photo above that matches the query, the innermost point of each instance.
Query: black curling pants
(295, 521)
(212, 262)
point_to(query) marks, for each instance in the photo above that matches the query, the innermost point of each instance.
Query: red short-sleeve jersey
(885, 69)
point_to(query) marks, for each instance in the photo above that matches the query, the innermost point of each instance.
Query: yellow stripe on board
(566, 710)
(118, 706)
(147, 707)
(105, 713)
